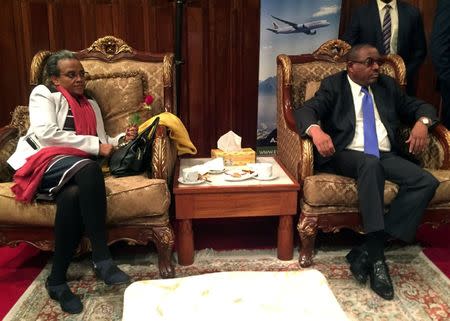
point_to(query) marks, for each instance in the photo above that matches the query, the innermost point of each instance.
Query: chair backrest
(298, 78)
(119, 77)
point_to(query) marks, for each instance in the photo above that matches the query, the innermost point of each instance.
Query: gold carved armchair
(137, 207)
(329, 202)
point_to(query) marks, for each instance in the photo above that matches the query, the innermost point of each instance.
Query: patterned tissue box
(237, 158)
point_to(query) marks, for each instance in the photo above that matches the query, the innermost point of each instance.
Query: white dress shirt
(358, 140)
(394, 21)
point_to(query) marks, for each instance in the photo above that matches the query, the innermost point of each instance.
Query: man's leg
(416, 189)
(368, 260)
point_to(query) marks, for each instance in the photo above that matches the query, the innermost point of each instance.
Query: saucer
(180, 179)
(243, 177)
(216, 171)
(266, 178)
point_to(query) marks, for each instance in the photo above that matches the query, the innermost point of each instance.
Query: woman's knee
(91, 170)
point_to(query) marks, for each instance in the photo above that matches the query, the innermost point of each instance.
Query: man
(392, 27)
(359, 112)
(440, 53)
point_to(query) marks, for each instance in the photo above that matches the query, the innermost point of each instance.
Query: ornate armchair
(137, 207)
(329, 202)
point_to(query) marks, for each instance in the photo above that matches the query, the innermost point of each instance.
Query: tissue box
(237, 158)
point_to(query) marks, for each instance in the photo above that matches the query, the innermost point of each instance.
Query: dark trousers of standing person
(81, 207)
(416, 189)
(444, 88)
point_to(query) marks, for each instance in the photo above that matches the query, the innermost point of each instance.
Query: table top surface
(223, 180)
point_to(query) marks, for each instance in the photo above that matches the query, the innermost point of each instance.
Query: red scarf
(83, 114)
(29, 176)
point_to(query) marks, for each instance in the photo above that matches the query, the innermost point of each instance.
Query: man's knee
(371, 164)
(430, 182)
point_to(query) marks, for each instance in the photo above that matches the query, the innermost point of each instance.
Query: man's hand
(418, 138)
(105, 150)
(322, 141)
(131, 133)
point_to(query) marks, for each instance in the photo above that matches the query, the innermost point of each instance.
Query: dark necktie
(387, 29)
(370, 132)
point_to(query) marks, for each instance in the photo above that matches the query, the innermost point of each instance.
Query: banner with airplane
(288, 27)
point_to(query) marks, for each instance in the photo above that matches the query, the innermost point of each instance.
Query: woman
(55, 160)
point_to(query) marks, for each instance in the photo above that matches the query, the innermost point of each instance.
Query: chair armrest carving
(442, 135)
(8, 141)
(164, 154)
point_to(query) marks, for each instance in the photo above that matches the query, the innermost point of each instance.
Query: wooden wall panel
(219, 88)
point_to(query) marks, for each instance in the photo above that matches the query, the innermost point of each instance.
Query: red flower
(148, 99)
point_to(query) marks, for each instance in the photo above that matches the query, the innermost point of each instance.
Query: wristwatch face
(425, 121)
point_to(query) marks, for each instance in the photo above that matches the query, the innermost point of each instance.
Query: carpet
(422, 292)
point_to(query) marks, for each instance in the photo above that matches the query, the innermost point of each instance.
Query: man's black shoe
(359, 264)
(68, 301)
(380, 280)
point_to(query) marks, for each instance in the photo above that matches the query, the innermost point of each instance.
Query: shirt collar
(381, 5)
(354, 86)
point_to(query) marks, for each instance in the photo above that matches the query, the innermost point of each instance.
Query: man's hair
(51, 66)
(352, 54)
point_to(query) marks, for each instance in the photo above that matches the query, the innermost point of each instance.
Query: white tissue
(216, 164)
(230, 142)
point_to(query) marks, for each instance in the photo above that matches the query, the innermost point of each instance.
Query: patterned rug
(422, 292)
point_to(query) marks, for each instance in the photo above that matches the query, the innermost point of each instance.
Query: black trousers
(81, 207)
(416, 189)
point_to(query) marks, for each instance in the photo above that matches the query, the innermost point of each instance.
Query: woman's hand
(105, 150)
(131, 133)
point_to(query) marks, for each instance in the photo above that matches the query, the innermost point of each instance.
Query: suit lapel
(380, 98)
(401, 28)
(347, 100)
(374, 19)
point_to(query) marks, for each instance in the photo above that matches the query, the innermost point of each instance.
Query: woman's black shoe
(110, 273)
(68, 301)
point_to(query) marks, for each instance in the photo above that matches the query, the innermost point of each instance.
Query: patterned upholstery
(329, 202)
(137, 207)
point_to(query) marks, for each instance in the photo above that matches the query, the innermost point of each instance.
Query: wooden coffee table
(220, 198)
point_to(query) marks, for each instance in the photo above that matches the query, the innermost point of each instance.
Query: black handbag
(135, 157)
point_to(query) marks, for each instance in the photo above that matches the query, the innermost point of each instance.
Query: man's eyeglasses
(369, 62)
(72, 74)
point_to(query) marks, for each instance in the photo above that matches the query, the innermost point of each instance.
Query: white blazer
(48, 112)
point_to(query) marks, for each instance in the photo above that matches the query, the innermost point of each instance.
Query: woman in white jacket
(56, 160)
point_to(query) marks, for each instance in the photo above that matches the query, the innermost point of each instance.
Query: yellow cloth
(177, 132)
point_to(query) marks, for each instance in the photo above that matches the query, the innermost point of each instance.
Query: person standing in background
(440, 54)
(392, 27)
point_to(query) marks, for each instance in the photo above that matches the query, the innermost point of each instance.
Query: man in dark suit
(353, 120)
(404, 33)
(440, 53)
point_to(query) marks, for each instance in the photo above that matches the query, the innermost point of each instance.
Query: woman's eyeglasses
(369, 62)
(72, 74)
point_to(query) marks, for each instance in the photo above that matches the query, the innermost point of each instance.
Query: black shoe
(359, 264)
(380, 280)
(68, 301)
(111, 274)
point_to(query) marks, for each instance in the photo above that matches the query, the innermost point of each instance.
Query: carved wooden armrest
(164, 154)
(7, 133)
(442, 135)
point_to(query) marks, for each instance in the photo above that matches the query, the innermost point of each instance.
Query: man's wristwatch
(426, 121)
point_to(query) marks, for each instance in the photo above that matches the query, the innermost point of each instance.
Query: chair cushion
(148, 198)
(334, 190)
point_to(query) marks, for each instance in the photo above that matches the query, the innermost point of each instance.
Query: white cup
(264, 170)
(190, 175)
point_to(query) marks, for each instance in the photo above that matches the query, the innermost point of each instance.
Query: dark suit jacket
(440, 40)
(365, 27)
(333, 106)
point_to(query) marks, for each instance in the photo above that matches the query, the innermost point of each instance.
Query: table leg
(185, 242)
(285, 238)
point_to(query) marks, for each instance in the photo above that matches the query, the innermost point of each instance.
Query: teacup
(190, 175)
(263, 170)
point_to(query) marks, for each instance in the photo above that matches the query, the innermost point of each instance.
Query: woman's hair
(51, 66)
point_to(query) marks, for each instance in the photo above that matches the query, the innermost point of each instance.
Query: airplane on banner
(307, 27)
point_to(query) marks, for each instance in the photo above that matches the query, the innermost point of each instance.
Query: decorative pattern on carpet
(422, 292)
